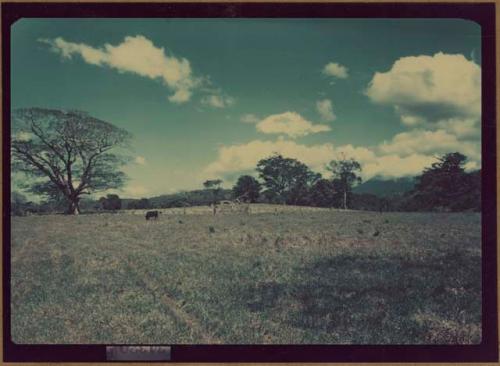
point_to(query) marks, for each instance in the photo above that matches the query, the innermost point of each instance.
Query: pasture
(279, 275)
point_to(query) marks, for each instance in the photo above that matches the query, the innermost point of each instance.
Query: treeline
(444, 186)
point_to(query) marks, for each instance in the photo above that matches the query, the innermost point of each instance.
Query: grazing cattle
(152, 215)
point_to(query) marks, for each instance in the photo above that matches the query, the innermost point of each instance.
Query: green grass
(280, 275)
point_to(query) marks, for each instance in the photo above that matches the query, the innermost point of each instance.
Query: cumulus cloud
(394, 166)
(138, 55)
(325, 110)
(141, 160)
(466, 128)
(439, 98)
(218, 101)
(430, 88)
(249, 118)
(429, 142)
(180, 96)
(336, 70)
(244, 157)
(233, 160)
(291, 124)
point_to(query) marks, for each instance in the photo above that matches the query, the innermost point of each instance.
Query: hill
(386, 187)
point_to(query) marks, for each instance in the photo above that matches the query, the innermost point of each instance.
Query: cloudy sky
(208, 98)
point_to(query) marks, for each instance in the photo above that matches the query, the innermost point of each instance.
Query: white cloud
(249, 118)
(336, 70)
(138, 55)
(240, 158)
(429, 142)
(135, 191)
(244, 157)
(394, 166)
(289, 123)
(180, 96)
(439, 97)
(217, 101)
(411, 120)
(472, 165)
(429, 88)
(462, 128)
(325, 110)
(141, 160)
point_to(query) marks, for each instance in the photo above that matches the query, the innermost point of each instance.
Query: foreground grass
(278, 275)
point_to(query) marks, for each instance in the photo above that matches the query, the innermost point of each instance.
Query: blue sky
(208, 98)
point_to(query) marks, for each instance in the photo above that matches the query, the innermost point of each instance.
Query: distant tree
(446, 185)
(247, 187)
(111, 202)
(89, 204)
(345, 176)
(17, 203)
(286, 180)
(69, 153)
(323, 194)
(141, 204)
(215, 187)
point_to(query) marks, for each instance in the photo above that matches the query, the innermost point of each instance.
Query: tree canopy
(446, 185)
(67, 153)
(111, 202)
(247, 188)
(345, 174)
(323, 194)
(214, 185)
(286, 180)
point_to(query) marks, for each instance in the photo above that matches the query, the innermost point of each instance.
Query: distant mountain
(384, 187)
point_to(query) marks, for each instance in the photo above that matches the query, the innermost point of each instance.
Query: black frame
(481, 13)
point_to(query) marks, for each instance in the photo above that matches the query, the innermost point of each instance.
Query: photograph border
(481, 13)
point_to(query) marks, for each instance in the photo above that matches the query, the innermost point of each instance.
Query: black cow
(152, 215)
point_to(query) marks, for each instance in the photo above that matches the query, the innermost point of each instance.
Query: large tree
(446, 185)
(247, 188)
(345, 174)
(286, 180)
(67, 153)
(323, 194)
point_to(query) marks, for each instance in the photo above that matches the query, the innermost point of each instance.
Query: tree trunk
(345, 200)
(74, 207)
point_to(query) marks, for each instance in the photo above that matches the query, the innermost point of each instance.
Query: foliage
(111, 202)
(18, 203)
(247, 188)
(386, 187)
(345, 176)
(199, 197)
(323, 194)
(445, 186)
(68, 153)
(286, 180)
(141, 204)
(215, 187)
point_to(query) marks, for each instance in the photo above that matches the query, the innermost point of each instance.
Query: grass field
(280, 275)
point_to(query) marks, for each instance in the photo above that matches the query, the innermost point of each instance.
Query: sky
(209, 98)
